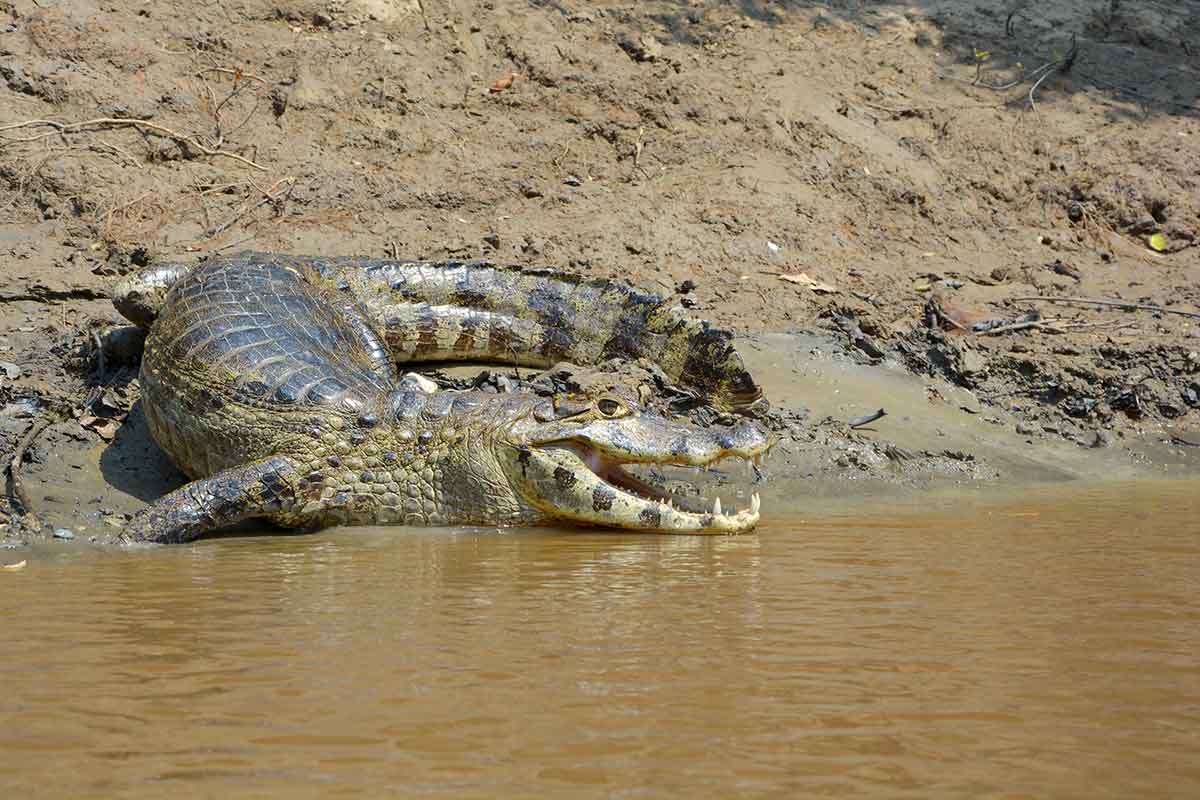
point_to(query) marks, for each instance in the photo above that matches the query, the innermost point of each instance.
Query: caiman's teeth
(717, 506)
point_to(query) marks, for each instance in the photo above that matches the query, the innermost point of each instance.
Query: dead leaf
(1061, 267)
(651, 48)
(14, 567)
(503, 83)
(104, 427)
(804, 279)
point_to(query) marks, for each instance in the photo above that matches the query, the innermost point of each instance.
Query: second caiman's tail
(140, 296)
(479, 310)
(482, 311)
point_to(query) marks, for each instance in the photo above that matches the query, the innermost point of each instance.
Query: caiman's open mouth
(571, 480)
(615, 474)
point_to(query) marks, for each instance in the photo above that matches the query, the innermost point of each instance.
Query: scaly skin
(267, 381)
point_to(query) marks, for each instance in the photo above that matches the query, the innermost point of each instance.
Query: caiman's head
(567, 461)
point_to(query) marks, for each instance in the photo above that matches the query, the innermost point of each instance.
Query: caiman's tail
(139, 296)
(478, 310)
(481, 311)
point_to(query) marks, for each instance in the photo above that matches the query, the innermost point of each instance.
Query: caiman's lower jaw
(573, 482)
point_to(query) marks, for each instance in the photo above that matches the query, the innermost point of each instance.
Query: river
(1040, 643)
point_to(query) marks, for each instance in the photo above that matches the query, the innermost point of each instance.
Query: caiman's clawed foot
(227, 498)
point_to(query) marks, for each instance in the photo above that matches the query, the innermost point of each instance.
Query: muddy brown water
(1043, 644)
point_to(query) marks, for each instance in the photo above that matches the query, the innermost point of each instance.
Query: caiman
(273, 383)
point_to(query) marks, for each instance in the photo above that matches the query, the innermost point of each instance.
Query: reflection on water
(1043, 646)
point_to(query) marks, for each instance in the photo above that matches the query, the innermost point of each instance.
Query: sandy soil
(853, 177)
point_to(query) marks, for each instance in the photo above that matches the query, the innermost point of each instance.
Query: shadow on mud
(132, 463)
(1142, 55)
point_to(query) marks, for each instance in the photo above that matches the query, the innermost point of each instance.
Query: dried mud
(844, 184)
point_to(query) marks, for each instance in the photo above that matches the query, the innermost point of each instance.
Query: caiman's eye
(611, 408)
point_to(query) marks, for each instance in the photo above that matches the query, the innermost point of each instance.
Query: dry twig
(1037, 75)
(14, 465)
(867, 419)
(241, 80)
(107, 123)
(1108, 303)
(270, 195)
(237, 74)
(1041, 324)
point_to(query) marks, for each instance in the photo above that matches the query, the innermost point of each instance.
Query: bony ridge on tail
(272, 382)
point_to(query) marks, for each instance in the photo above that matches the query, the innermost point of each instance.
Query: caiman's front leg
(257, 489)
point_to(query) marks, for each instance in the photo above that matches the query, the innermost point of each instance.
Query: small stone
(63, 533)
(973, 363)
(529, 190)
(1002, 274)
(644, 48)
(418, 382)
(1144, 224)
(1102, 439)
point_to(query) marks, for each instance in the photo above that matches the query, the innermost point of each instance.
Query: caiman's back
(245, 354)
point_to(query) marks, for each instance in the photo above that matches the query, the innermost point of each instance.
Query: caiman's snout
(576, 472)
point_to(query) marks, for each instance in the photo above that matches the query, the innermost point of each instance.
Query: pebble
(63, 533)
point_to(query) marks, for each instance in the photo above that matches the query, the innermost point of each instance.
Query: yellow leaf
(804, 279)
(982, 55)
(1158, 242)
